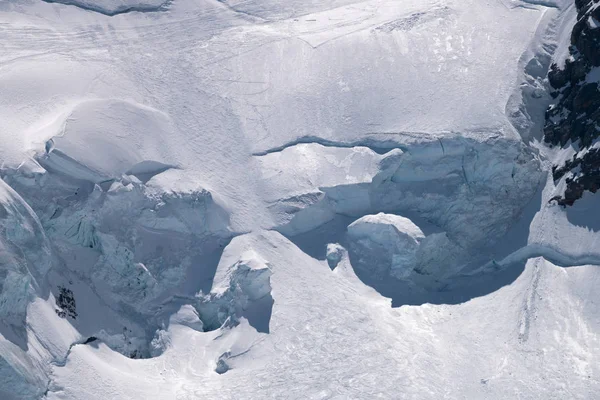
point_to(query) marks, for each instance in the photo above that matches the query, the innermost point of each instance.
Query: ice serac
(242, 289)
(470, 187)
(385, 245)
(136, 240)
(149, 241)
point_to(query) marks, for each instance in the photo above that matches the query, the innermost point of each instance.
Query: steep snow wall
(25, 254)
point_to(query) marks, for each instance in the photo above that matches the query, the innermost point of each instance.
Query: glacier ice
(25, 252)
(335, 253)
(226, 199)
(385, 245)
(241, 290)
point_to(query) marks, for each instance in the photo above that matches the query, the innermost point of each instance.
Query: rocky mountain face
(574, 120)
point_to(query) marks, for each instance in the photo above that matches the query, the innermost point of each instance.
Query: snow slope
(302, 199)
(333, 337)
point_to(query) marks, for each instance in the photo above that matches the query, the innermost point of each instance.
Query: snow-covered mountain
(299, 199)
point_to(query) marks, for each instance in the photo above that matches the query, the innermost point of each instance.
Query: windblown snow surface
(222, 199)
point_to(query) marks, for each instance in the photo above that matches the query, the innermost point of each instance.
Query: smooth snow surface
(288, 199)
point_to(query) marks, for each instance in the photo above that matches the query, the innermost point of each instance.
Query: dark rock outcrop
(66, 303)
(575, 117)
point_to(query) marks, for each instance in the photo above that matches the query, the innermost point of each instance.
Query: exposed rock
(222, 365)
(575, 118)
(66, 303)
(91, 339)
(583, 174)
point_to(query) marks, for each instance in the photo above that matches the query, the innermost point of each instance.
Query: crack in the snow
(543, 3)
(111, 13)
(553, 255)
(378, 146)
(242, 13)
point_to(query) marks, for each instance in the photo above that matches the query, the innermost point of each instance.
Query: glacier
(263, 199)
